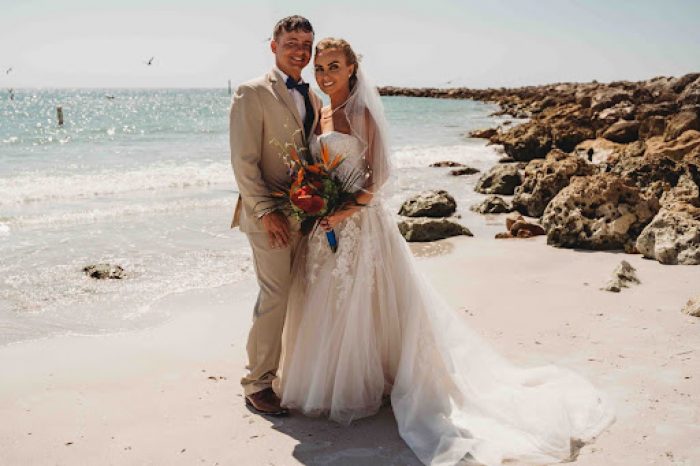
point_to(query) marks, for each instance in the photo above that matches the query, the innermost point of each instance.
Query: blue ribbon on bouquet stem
(332, 240)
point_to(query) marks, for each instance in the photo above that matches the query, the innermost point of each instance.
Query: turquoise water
(142, 178)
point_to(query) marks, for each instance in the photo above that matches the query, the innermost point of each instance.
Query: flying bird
(150, 62)
(9, 70)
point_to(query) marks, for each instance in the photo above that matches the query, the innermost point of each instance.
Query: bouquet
(316, 189)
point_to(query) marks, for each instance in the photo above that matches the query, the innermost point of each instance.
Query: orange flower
(324, 154)
(336, 161)
(314, 169)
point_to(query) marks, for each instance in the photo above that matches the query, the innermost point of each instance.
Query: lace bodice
(345, 145)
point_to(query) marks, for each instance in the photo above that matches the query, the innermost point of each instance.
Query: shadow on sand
(370, 441)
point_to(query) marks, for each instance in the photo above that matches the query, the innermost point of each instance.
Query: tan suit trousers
(273, 269)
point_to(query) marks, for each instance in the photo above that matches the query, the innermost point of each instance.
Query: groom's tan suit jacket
(264, 115)
(263, 112)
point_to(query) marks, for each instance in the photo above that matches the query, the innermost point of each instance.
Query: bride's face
(332, 71)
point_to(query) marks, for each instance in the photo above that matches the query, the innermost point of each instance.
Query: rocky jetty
(609, 165)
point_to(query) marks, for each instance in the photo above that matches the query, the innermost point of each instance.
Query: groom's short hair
(292, 23)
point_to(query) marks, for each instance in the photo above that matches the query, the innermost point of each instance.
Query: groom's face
(292, 51)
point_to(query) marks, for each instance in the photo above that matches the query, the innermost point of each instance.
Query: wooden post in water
(59, 115)
(229, 87)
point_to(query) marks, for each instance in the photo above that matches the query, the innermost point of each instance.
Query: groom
(279, 107)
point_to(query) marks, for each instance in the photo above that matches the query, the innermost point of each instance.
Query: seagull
(110, 97)
(9, 70)
(150, 62)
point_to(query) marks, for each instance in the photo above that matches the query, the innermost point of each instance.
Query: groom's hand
(277, 227)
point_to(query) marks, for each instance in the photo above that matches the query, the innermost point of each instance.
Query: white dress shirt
(296, 96)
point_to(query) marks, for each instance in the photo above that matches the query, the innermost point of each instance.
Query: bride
(363, 323)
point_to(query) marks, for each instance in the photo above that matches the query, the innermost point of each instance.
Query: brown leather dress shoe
(266, 402)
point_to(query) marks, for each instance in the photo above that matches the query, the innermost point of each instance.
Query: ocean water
(142, 178)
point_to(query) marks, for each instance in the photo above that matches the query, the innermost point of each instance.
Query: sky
(441, 43)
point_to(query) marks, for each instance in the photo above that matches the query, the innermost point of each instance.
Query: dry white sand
(171, 395)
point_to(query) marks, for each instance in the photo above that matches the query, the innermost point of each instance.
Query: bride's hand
(331, 221)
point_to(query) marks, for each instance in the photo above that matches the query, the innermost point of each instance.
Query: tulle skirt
(363, 323)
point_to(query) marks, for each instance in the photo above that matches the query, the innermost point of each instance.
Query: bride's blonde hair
(332, 43)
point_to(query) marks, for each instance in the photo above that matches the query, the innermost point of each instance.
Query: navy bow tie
(299, 86)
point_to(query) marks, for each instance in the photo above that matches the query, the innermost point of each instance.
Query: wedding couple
(334, 333)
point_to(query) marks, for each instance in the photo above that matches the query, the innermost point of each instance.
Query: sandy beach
(171, 394)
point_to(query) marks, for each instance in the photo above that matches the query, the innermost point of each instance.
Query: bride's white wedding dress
(363, 323)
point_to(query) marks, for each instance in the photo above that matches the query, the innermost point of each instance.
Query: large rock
(623, 131)
(598, 212)
(653, 173)
(492, 205)
(607, 97)
(569, 125)
(525, 142)
(675, 149)
(429, 204)
(655, 125)
(620, 111)
(501, 179)
(431, 229)
(673, 236)
(545, 178)
(691, 94)
(681, 123)
(679, 84)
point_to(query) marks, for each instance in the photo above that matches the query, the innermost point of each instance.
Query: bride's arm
(363, 196)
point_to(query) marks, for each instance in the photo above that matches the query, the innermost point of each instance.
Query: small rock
(484, 133)
(104, 271)
(446, 163)
(464, 171)
(492, 205)
(692, 307)
(523, 229)
(429, 204)
(431, 229)
(623, 275)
